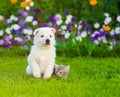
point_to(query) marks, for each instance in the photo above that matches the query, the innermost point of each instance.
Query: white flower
(106, 14)
(15, 27)
(1, 32)
(19, 39)
(58, 16)
(111, 47)
(8, 30)
(13, 18)
(79, 38)
(63, 27)
(96, 25)
(118, 18)
(29, 19)
(84, 34)
(112, 32)
(1, 17)
(67, 35)
(104, 40)
(67, 21)
(59, 22)
(79, 27)
(117, 30)
(69, 17)
(75, 25)
(107, 20)
(32, 4)
(50, 24)
(62, 32)
(27, 31)
(96, 42)
(27, 8)
(9, 21)
(34, 23)
(11, 36)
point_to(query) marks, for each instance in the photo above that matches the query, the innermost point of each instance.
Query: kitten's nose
(47, 41)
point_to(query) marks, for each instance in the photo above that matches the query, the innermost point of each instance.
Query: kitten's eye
(60, 72)
(50, 36)
(42, 36)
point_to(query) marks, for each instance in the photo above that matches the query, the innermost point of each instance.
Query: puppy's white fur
(41, 59)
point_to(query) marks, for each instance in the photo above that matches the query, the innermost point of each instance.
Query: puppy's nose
(47, 41)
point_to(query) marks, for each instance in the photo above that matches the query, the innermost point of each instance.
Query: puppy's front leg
(49, 71)
(36, 69)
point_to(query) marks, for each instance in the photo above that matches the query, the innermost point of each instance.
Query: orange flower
(13, 1)
(107, 28)
(23, 4)
(93, 2)
(30, 1)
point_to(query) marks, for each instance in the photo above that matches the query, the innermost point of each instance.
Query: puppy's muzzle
(47, 41)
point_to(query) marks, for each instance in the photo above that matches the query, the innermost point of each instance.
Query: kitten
(61, 71)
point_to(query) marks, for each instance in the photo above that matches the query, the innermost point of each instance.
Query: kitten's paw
(37, 75)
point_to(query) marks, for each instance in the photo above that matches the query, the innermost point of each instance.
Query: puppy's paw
(37, 75)
(47, 76)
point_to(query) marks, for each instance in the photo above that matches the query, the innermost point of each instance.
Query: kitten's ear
(68, 68)
(36, 31)
(56, 66)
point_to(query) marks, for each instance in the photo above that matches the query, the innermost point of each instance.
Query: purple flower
(1, 42)
(73, 19)
(8, 45)
(7, 38)
(89, 31)
(117, 41)
(56, 26)
(39, 22)
(32, 9)
(45, 25)
(38, 11)
(23, 13)
(62, 38)
(17, 31)
(102, 33)
(69, 26)
(20, 22)
(95, 37)
(66, 12)
(25, 47)
(85, 25)
(52, 19)
(112, 36)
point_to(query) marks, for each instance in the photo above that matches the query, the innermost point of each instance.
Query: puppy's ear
(53, 30)
(35, 32)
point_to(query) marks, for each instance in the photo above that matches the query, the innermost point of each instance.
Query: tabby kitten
(61, 71)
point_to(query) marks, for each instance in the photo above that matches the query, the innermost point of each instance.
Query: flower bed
(71, 32)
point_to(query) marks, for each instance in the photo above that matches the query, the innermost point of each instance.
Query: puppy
(41, 59)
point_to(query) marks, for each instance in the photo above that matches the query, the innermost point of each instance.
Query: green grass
(88, 77)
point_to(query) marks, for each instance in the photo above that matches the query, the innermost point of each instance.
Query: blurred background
(84, 27)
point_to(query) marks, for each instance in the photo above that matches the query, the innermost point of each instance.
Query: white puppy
(41, 59)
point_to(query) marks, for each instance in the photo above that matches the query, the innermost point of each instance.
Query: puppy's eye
(42, 36)
(50, 35)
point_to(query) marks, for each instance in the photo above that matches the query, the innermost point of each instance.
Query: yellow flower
(23, 4)
(93, 2)
(13, 1)
(1, 18)
(107, 28)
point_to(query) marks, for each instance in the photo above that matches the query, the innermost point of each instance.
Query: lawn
(88, 77)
